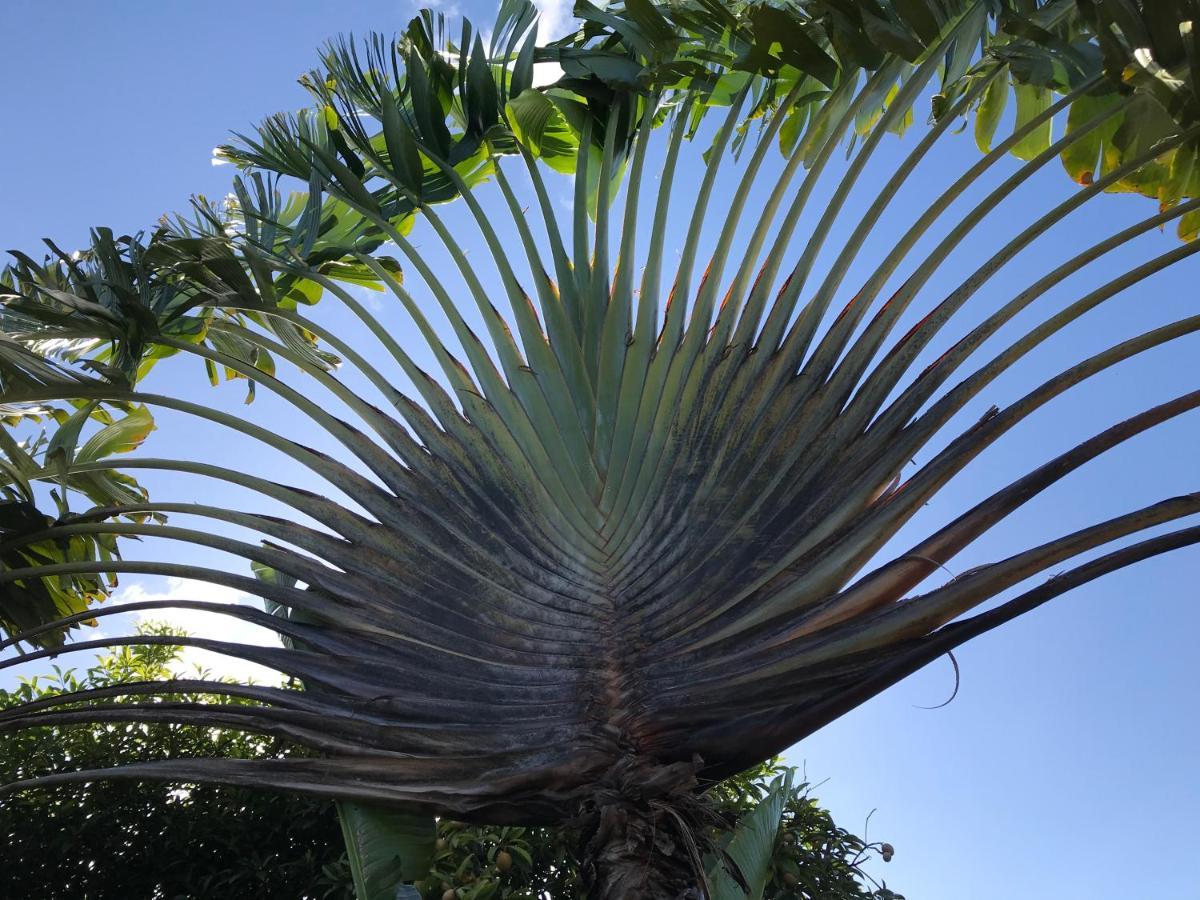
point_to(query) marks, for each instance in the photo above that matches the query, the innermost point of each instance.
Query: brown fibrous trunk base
(640, 835)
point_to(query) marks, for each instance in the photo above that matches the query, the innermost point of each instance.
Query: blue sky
(1066, 765)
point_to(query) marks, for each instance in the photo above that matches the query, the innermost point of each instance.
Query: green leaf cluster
(72, 462)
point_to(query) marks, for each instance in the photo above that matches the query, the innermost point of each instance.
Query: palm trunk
(639, 835)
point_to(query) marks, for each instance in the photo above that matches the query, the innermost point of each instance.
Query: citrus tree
(625, 543)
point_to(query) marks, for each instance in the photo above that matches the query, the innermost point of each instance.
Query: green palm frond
(634, 524)
(61, 459)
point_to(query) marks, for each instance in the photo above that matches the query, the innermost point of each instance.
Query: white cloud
(198, 623)
(545, 73)
(555, 19)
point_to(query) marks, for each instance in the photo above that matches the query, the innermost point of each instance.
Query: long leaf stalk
(783, 426)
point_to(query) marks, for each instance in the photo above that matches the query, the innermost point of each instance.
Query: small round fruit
(451, 894)
(790, 880)
(504, 860)
(440, 844)
(887, 851)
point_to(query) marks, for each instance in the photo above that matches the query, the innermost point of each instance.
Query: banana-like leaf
(388, 848)
(35, 456)
(752, 846)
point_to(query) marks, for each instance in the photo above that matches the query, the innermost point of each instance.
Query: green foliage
(809, 857)
(385, 846)
(125, 840)
(107, 839)
(813, 858)
(751, 846)
(68, 460)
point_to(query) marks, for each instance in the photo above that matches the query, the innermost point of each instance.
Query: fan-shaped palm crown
(620, 551)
